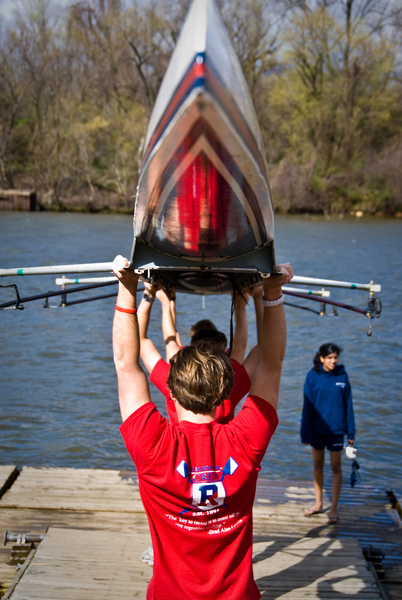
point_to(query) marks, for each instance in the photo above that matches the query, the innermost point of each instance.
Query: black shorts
(334, 443)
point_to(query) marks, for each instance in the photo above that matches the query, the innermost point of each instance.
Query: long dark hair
(212, 335)
(323, 351)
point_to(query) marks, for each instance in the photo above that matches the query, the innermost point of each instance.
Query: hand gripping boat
(203, 212)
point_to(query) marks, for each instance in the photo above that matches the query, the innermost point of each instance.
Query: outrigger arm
(372, 311)
(105, 267)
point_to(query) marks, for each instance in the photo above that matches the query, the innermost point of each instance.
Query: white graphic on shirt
(207, 489)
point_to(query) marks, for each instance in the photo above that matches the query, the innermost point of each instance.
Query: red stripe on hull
(194, 216)
(203, 200)
(196, 72)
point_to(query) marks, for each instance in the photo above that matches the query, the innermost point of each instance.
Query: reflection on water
(57, 384)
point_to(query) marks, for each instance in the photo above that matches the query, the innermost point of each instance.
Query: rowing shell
(203, 211)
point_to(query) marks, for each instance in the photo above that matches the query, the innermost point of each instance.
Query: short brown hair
(200, 377)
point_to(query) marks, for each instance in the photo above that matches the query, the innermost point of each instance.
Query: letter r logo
(207, 496)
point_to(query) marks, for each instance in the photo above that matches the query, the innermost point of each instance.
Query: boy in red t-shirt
(204, 329)
(197, 480)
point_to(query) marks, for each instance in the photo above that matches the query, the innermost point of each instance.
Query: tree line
(77, 87)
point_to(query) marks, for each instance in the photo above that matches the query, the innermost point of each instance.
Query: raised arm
(132, 382)
(253, 358)
(174, 317)
(168, 324)
(148, 351)
(266, 382)
(240, 335)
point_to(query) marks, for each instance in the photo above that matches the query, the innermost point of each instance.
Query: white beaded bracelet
(272, 303)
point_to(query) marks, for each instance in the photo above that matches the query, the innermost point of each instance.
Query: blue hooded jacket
(328, 406)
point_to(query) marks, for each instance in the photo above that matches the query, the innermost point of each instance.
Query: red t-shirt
(224, 412)
(197, 484)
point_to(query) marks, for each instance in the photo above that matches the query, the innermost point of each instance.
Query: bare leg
(318, 458)
(336, 467)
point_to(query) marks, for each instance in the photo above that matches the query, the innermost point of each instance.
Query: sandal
(309, 512)
(332, 520)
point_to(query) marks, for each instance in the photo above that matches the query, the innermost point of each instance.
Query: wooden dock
(90, 531)
(17, 200)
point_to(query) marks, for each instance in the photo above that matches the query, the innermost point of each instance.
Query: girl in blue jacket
(327, 416)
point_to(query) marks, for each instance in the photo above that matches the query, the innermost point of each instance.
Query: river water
(58, 401)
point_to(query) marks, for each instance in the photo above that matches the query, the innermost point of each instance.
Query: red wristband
(129, 311)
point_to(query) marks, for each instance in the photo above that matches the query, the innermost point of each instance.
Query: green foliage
(335, 101)
(325, 104)
(317, 184)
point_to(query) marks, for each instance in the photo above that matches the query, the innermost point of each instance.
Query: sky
(8, 6)
(5, 8)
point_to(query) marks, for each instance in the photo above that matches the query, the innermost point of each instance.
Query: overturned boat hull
(203, 212)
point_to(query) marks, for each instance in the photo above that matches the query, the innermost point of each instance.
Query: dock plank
(74, 489)
(36, 521)
(74, 563)
(313, 568)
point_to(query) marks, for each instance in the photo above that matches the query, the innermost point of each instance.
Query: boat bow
(203, 200)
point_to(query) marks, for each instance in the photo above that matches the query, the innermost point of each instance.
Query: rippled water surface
(58, 398)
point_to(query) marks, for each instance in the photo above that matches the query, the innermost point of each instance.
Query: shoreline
(23, 200)
(110, 210)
